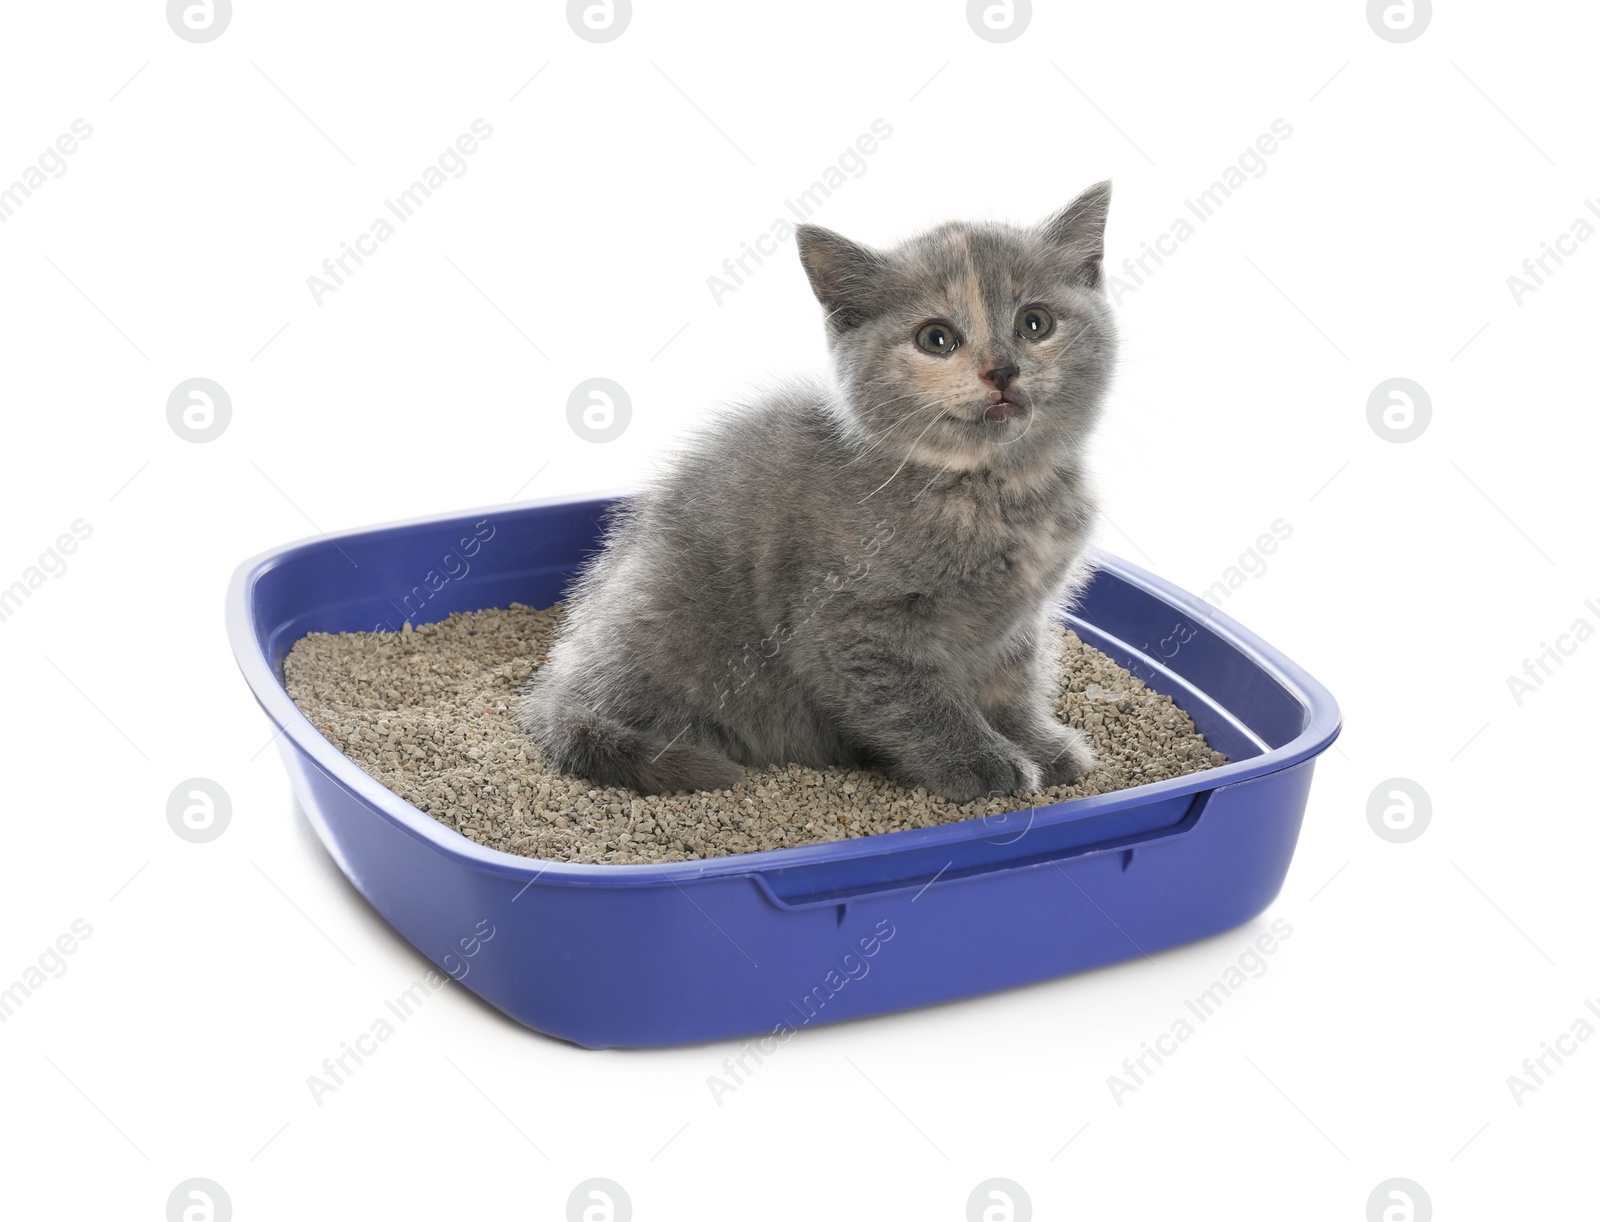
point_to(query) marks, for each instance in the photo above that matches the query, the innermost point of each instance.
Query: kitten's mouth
(999, 410)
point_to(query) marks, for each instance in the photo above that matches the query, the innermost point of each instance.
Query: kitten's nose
(1001, 376)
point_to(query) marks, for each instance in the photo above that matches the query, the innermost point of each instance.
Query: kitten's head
(973, 345)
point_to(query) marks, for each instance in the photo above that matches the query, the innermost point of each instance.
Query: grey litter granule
(429, 713)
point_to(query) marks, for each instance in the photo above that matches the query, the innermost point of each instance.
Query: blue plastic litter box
(769, 943)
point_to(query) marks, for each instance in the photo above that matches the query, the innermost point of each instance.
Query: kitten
(862, 571)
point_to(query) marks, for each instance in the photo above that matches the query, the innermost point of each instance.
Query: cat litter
(429, 713)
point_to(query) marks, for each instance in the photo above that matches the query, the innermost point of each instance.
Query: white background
(1419, 575)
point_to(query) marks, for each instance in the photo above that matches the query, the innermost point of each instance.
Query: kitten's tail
(581, 742)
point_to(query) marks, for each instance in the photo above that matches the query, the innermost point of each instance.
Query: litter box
(769, 943)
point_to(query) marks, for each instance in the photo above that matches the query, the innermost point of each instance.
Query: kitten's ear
(1079, 230)
(844, 275)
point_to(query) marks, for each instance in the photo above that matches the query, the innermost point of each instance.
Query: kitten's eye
(938, 338)
(1034, 323)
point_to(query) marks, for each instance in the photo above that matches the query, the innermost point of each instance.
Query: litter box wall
(775, 942)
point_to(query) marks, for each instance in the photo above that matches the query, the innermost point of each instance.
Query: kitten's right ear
(844, 275)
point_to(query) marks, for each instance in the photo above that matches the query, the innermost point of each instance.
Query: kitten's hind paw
(580, 742)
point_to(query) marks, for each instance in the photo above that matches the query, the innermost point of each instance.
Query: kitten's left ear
(1079, 230)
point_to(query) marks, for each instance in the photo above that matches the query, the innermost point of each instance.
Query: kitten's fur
(862, 571)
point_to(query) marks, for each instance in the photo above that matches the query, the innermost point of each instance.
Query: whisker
(880, 437)
(909, 451)
(929, 484)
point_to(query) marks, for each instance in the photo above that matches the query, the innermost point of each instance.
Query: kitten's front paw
(992, 774)
(1066, 757)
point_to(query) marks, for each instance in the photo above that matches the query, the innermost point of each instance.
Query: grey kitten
(862, 571)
